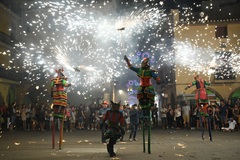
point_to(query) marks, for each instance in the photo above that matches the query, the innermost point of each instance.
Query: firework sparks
(94, 37)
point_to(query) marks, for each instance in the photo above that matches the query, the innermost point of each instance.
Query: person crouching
(115, 127)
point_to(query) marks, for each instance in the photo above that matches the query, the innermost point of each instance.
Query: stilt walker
(202, 103)
(59, 96)
(145, 95)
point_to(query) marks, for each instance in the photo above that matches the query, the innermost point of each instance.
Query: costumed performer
(59, 96)
(115, 126)
(145, 92)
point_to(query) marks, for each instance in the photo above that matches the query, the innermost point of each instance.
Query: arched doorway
(235, 95)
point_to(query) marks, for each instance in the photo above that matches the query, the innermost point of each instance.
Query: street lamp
(120, 91)
(114, 83)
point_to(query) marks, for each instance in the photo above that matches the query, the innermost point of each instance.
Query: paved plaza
(85, 145)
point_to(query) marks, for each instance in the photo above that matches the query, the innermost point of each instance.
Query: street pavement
(85, 145)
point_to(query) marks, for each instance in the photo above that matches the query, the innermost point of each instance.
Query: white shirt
(163, 112)
(232, 124)
(177, 112)
(186, 110)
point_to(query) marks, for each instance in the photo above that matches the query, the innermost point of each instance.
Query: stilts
(146, 122)
(207, 116)
(53, 134)
(58, 115)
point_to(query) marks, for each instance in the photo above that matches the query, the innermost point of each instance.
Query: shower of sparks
(93, 37)
(86, 36)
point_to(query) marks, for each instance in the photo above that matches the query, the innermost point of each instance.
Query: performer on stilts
(115, 126)
(202, 102)
(145, 94)
(59, 96)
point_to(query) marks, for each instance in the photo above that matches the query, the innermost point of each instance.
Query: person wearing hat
(115, 126)
(145, 91)
(201, 93)
(101, 114)
(59, 96)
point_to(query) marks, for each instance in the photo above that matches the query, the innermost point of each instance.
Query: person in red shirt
(115, 127)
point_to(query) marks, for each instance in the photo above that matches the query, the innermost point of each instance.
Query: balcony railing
(12, 75)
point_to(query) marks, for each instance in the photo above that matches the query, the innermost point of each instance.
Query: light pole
(114, 83)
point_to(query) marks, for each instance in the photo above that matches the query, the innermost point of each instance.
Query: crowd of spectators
(38, 117)
(188, 117)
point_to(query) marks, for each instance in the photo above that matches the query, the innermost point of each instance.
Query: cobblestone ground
(85, 145)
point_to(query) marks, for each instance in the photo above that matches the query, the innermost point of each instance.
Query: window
(221, 32)
(224, 70)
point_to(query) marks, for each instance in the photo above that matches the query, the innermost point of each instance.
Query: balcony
(11, 74)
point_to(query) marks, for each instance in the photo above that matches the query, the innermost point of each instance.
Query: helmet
(60, 73)
(145, 63)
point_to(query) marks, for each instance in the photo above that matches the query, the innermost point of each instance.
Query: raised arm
(127, 60)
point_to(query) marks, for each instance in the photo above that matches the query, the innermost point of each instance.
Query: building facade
(10, 76)
(208, 47)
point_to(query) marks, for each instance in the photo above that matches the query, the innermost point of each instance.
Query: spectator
(177, 113)
(186, 115)
(87, 114)
(236, 115)
(92, 119)
(163, 112)
(101, 114)
(68, 118)
(1, 120)
(232, 123)
(126, 116)
(80, 117)
(155, 115)
(170, 117)
(12, 115)
(134, 119)
(4, 115)
(24, 117)
(121, 109)
(33, 118)
(223, 113)
(193, 119)
(238, 102)
(217, 118)
(73, 119)
(230, 108)
(28, 118)
(41, 117)
(48, 120)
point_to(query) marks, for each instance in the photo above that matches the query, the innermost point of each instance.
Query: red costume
(58, 93)
(115, 126)
(201, 93)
